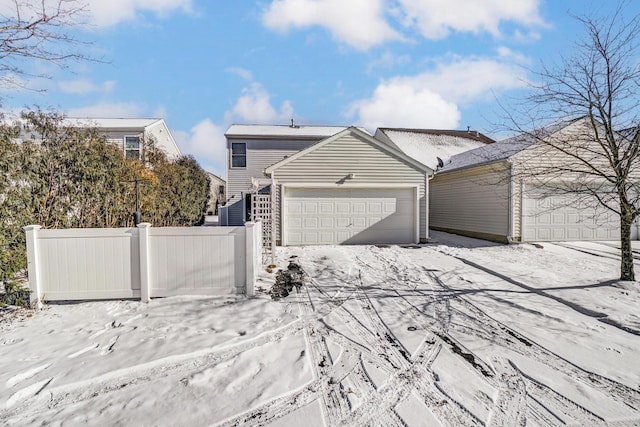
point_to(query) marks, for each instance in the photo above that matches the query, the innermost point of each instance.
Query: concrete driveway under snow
(455, 332)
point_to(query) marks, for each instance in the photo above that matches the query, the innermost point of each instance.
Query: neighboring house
(431, 146)
(217, 193)
(493, 193)
(327, 185)
(130, 134)
(253, 148)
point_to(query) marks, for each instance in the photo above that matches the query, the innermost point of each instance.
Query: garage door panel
(342, 207)
(353, 216)
(326, 223)
(296, 223)
(310, 222)
(359, 222)
(374, 207)
(294, 207)
(310, 207)
(358, 207)
(327, 208)
(563, 217)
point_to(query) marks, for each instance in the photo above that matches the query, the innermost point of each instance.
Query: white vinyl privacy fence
(142, 262)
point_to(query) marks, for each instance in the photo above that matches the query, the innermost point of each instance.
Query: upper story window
(132, 147)
(238, 155)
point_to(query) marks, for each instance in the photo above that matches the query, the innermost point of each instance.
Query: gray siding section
(331, 163)
(473, 202)
(261, 153)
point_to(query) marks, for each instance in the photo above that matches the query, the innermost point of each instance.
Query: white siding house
(253, 148)
(504, 192)
(129, 134)
(350, 188)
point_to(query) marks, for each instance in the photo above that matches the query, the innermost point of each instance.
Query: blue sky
(203, 65)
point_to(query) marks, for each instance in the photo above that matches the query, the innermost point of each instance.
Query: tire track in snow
(388, 352)
(410, 375)
(514, 341)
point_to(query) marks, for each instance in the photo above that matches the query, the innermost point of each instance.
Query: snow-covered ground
(455, 332)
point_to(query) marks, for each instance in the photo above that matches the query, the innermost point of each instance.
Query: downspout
(427, 191)
(522, 210)
(511, 203)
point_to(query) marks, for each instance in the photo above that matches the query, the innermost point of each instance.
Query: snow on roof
(283, 130)
(426, 145)
(503, 149)
(110, 123)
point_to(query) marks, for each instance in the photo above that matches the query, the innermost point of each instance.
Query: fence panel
(143, 262)
(200, 260)
(89, 263)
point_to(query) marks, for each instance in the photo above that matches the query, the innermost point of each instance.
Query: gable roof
(111, 123)
(504, 149)
(279, 131)
(362, 135)
(426, 145)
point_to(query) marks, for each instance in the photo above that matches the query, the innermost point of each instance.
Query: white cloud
(205, 141)
(83, 86)
(254, 106)
(241, 72)
(468, 79)
(388, 60)
(363, 24)
(108, 13)
(358, 23)
(432, 99)
(401, 105)
(436, 19)
(109, 110)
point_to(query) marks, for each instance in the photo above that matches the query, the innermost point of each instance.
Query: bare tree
(37, 30)
(598, 86)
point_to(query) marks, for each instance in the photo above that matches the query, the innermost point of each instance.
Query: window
(132, 147)
(221, 189)
(238, 155)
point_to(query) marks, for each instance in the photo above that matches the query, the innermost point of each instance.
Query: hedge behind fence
(61, 177)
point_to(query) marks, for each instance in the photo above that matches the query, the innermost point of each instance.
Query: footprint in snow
(27, 392)
(109, 347)
(82, 351)
(26, 375)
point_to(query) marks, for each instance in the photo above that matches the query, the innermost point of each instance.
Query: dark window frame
(238, 155)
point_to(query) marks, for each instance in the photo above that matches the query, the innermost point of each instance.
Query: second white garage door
(330, 216)
(558, 218)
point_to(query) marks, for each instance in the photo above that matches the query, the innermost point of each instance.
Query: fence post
(250, 245)
(33, 263)
(145, 267)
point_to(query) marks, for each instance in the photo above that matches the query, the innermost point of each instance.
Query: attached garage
(564, 217)
(518, 190)
(349, 189)
(332, 216)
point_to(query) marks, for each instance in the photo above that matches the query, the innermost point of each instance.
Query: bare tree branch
(38, 31)
(600, 84)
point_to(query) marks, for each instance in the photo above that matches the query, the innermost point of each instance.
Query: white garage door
(329, 216)
(560, 217)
